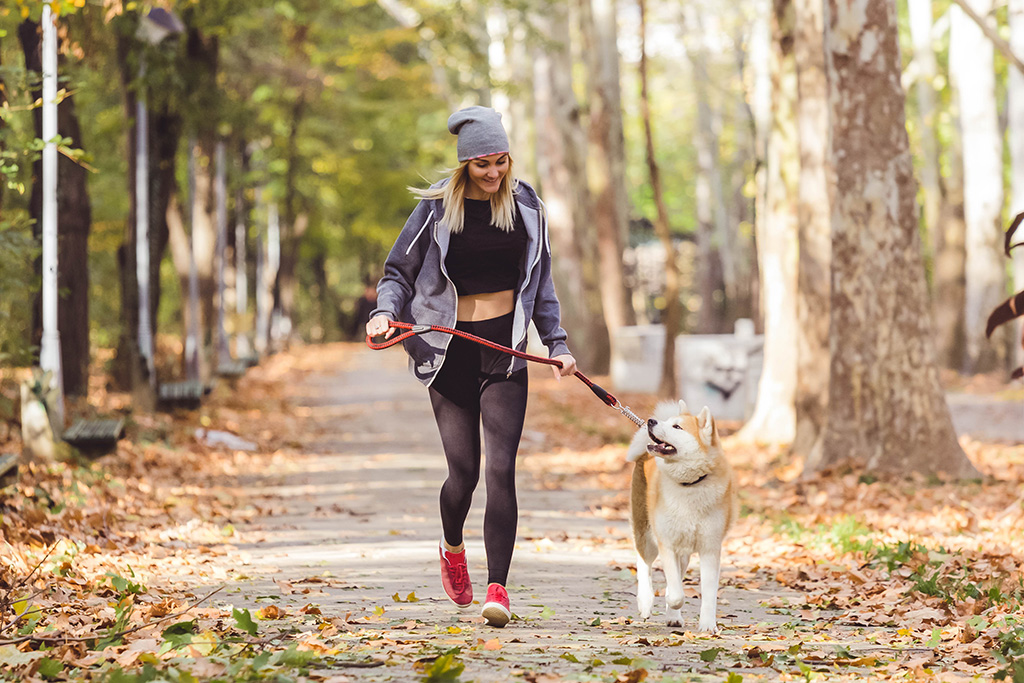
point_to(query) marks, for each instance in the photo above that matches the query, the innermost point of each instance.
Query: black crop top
(483, 258)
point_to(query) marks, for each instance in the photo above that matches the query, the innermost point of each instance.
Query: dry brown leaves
(937, 565)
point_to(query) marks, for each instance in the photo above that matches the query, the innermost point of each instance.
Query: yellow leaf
(454, 630)
(270, 612)
(493, 644)
(378, 610)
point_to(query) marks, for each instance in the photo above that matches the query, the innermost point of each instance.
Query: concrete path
(351, 523)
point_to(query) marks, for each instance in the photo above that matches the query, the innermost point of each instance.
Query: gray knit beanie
(480, 132)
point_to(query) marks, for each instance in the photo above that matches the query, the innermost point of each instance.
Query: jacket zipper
(526, 281)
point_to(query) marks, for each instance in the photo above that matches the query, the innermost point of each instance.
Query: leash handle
(412, 330)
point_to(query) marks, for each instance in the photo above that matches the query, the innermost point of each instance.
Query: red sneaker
(455, 578)
(496, 610)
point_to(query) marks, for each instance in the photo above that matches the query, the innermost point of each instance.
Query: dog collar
(695, 481)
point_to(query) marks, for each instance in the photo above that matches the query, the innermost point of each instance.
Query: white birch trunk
(920, 14)
(1015, 116)
(774, 418)
(971, 57)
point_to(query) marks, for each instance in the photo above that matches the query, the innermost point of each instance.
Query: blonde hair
(453, 196)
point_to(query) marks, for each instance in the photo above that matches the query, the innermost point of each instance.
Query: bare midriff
(486, 306)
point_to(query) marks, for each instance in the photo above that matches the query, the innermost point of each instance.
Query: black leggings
(473, 386)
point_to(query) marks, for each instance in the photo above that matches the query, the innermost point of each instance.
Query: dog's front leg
(675, 567)
(644, 587)
(710, 566)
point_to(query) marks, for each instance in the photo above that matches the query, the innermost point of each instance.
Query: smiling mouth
(658, 446)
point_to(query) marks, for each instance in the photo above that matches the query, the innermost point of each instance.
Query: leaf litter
(110, 570)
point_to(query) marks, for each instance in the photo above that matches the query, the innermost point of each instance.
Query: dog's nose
(651, 422)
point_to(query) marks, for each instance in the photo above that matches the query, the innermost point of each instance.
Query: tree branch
(991, 34)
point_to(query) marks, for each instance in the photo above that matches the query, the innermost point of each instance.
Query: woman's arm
(403, 263)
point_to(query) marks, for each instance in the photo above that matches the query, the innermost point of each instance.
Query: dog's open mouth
(658, 446)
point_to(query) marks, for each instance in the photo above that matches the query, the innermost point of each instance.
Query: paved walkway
(351, 523)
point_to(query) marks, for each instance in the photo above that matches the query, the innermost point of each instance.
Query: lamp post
(154, 27)
(49, 352)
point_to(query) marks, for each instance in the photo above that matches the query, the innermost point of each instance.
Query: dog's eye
(677, 426)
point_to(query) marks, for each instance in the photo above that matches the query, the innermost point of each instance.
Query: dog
(683, 500)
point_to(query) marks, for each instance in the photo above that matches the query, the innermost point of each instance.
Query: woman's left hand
(568, 366)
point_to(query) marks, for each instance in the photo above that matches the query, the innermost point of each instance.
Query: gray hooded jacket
(416, 287)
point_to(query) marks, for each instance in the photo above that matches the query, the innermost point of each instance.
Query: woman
(474, 255)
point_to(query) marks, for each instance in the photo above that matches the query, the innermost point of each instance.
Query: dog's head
(675, 434)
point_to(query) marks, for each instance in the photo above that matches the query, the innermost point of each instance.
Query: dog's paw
(674, 618)
(708, 626)
(638, 446)
(644, 599)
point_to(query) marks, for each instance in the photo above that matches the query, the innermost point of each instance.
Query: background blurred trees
(327, 111)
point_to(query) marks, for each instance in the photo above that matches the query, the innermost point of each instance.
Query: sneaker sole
(463, 607)
(495, 615)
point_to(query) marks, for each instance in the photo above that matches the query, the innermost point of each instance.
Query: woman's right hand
(378, 325)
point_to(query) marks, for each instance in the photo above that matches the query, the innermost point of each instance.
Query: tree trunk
(715, 270)
(887, 412)
(293, 227)
(204, 239)
(74, 223)
(521, 135)
(606, 163)
(971, 58)
(920, 12)
(948, 279)
(128, 369)
(774, 418)
(3, 123)
(1015, 115)
(203, 59)
(181, 257)
(243, 321)
(759, 99)
(673, 306)
(560, 169)
(814, 232)
(164, 138)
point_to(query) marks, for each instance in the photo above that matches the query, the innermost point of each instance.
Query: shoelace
(460, 578)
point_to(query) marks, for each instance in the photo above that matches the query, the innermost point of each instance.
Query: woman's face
(485, 175)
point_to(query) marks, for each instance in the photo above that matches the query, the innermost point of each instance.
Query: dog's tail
(640, 518)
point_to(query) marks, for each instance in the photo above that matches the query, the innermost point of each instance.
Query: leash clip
(419, 329)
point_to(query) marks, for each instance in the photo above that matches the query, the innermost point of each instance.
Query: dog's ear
(683, 410)
(706, 423)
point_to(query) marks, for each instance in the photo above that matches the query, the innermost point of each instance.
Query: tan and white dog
(683, 500)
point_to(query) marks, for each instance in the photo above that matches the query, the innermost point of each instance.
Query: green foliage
(1010, 653)
(445, 669)
(244, 621)
(18, 249)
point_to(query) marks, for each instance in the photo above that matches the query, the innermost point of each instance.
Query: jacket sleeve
(403, 263)
(547, 315)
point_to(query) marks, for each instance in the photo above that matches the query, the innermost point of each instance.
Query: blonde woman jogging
(475, 255)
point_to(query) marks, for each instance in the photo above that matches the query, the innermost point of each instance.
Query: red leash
(419, 329)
